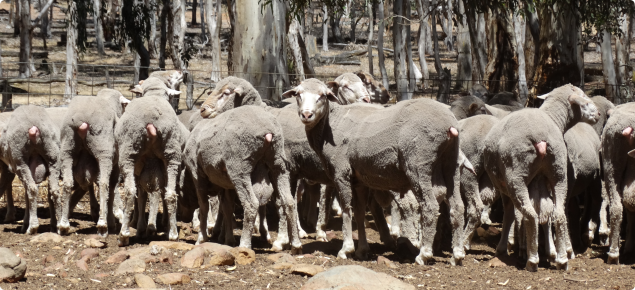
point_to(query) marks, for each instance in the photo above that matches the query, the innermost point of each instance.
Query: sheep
(467, 106)
(496, 112)
(230, 92)
(377, 148)
(529, 145)
(171, 78)
(223, 152)
(87, 153)
(6, 177)
(149, 129)
(378, 94)
(479, 91)
(617, 148)
(349, 88)
(29, 147)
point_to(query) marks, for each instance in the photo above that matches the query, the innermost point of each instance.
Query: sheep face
(313, 100)
(349, 88)
(583, 107)
(221, 100)
(175, 78)
(378, 93)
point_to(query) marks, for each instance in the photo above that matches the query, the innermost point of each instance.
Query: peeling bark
(532, 42)
(476, 27)
(380, 44)
(519, 31)
(622, 49)
(423, 43)
(99, 32)
(501, 72)
(608, 69)
(152, 48)
(164, 37)
(371, 30)
(443, 74)
(213, 8)
(464, 49)
(400, 41)
(293, 37)
(325, 28)
(70, 88)
(448, 25)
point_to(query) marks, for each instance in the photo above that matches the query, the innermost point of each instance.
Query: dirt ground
(587, 271)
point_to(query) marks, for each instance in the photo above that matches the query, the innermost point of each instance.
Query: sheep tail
(83, 130)
(34, 133)
(541, 149)
(268, 137)
(152, 132)
(628, 133)
(453, 132)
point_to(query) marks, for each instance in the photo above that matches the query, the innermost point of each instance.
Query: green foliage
(134, 25)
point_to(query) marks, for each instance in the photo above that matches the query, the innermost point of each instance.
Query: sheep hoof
(342, 255)
(570, 254)
(604, 240)
(361, 254)
(613, 259)
(174, 235)
(10, 217)
(32, 230)
(302, 234)
(531, 266)
(124, 241)
(63, 230)
(296, 251)
(102, 229)
(456, 261)
(563, 266)
(320, 236)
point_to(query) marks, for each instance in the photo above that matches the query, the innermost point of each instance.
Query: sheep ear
(292, 93)
(123, 100)
(542, 96)
(576, 99)
(631, 153)
(362, 76)
(473, 107)
(238, 91)
(141, 82)
(333, 86)
(609, 112)
(331, 97)
(464, 162)
(137, 89)
(172, 92)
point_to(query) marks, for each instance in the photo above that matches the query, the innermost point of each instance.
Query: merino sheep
(379, 148)
(6, 177)
(88, 153)
(619, 174)
(349, 88)
(378, 94)
(467, 106)
(30, 146)
(223, 152)
(149, 129)
(528, 145)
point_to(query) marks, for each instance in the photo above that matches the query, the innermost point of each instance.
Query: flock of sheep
(327, 140)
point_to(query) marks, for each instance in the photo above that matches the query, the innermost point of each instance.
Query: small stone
(355, 236)
(281, 258)
(131, 266)
(173, 245)
(47, 238)
(381, 260)
(118, 257)
(481, 232)
(57, 248)
(493, 231)
(174, 278)
(282, 266)
(12, 267)
(49, 259)
(81, 264)
(144, 281)
(17, 253)
(330, 235)
(306, 269)
(243, 256)
(53, 267)
(102, 275)
(494, 263)
(128, 280)
(63, 274)
(193, 258)
(89, 254)
(94, 243)
(222, 258)
(308, 256)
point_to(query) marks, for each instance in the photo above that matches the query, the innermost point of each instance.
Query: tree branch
(42, 12)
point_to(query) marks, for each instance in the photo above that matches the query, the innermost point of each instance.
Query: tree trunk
(443, 74)
(336, 29)
(531, 42)
(353, 18)
(178, 33)
(380, 44)
(137, 64)
(477, 39)
(425, 29)
(608, 69)
(422, 43)
(203, 20)
(194, 4)
(152, 48)
(501, 72)
(109, 20)
(560, 49)
(45, 25)
(448, 25)
(464, 49)
(71, 53)
(400, 41)
(16, 17)
(622, 49)
(164, 38)
(25, 39)
(308, 22)
(325, 28)
(213, 9)
(99, 33)
(371, 30)
(519, 31)
(258, 48)
(293, 37)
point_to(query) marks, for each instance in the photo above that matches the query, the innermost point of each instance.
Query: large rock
(47, 238)
(12, 267)
(243, 256)
(174, 278)
(118, 257)
(144, 281)
(281, 258)
(354, 277)
(222, 258)
(193, 258)
(131, 266)
(173, 245)
(89, 254)
(93, 243)
(306, 269)
(210, 248)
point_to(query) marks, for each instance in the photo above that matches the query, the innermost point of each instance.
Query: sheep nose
(307, 115)
(366, 100)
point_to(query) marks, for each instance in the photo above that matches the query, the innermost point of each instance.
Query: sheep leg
(520, 239)
(299, 193)
(550, 247)
(264, 228)
(31, 224)
(326, 195)
(213, 213)
(343, 186)
(313, 195)
(395, 220)
(421, 182)
(94, 204)
(604, 230)
(457, 212)
(283, 237)
(172, 172)
(142, 199)
(202, 184)
(530, 220)
(612, 181)
(360, 201)
(335, 206)
(103, 181)
(508, 222)
(380, 222)
(563, 243)
(531, 228)
(165, 218)
(575, 240)
(6, 178)
(281, 185)
(228, 219)
(196, 224)
(590, 217)
(130, 193)
(153, 211)
(65, 204)
(630, 236)
(117, 203)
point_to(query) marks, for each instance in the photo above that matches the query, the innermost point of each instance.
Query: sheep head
(229, 93)
(378, 93)
(313, 98)
(349, 88)
(581, 107)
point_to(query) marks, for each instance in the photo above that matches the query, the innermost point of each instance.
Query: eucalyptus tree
(26, 26)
